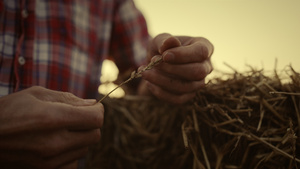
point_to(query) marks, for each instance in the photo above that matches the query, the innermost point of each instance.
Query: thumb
(162, 42)
(71, 99)
(61, 97)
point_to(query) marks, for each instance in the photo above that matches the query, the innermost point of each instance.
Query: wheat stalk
(134, 75)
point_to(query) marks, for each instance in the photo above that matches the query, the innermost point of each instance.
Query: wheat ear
(134, 75)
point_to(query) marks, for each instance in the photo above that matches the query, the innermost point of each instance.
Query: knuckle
(34, 90)
(203, 42)
(202, 51)
(199, 72)
(68, 96)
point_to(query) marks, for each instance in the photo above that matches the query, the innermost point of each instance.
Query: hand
(186, 63)
(41, 128)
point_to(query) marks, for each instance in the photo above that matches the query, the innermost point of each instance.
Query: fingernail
(168, 57)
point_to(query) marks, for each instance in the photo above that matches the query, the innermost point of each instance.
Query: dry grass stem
(134, 75)
(286, 93)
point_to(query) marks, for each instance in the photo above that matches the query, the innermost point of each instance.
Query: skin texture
(186, 63)
(41, 128)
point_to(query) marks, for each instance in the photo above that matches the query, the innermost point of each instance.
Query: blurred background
(253, 32)
(244, 32)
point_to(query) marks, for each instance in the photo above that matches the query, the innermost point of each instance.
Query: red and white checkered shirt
(60, 44)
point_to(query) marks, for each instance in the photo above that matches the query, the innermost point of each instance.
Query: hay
(248, 120)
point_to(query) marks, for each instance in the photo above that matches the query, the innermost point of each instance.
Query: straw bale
(248, 120)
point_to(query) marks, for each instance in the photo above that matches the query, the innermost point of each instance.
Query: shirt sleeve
(130, 36)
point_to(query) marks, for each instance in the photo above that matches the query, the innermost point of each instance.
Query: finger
(62, 97)
(72, 165)
(190, 71)
(170, 97)
(52, 115)
(65, 160)
(51, 143)
(162, 42)
(171, 84)
(74, 117)
(67, 141)
(25, 160)
(196, 52)
(68, 159)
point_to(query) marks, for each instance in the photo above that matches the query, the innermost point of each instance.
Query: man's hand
(186, 63)
(41, 128)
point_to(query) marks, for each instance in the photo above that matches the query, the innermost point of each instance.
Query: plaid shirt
(60, 44)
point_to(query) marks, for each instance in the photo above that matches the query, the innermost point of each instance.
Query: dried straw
(247, 121)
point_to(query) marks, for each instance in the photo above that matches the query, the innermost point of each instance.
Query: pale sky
(253, 32)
